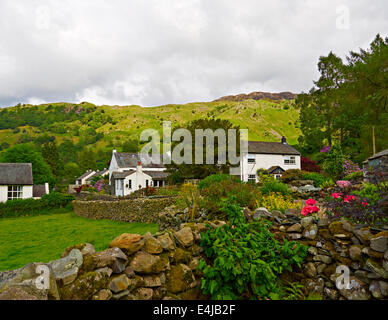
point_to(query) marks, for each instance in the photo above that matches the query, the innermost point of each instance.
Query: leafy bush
(357, 175)
(48, 203)
(275, 186)
(244, 260)
(276, 202)
(328, 183)
(214, 178)
(334, 162)
(214, 195)
(189, 198)
(370, 205)
(291, 175)
(317, 178)
(310, 165)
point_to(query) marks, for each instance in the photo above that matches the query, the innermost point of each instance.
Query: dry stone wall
(144, 210)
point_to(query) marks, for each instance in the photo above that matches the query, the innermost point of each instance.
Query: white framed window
(15, 192)
(251, 158)
(289, 160)
(119, 184)
(252, 178)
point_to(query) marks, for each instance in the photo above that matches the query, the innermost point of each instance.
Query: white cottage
(129, 172)
(276, 157)
(15, 181)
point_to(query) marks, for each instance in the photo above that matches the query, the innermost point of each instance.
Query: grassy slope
(44, 238)
(263, 118)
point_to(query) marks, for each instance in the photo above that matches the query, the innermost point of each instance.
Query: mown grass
(44, 238)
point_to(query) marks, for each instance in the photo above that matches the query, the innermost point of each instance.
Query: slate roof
(273, 168)
(122, 175)
(87, 173)
(380, 154)
(98, 174)
(158, 175)
(130, 160)
(260, 147)
(38, 191)
(16, 174)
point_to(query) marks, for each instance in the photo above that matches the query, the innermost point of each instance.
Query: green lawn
(44, 238)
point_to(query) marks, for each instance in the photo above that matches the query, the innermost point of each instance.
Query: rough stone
(166, 242)
(129, 243)
(152, 245)
(185, 237)
(65, 270)
(311, 232)
(358, 290)
(306, 222)
(179, 278)
(310, 270)
(376, 268)
(322, 258)
(144, 293)
(103, 294)
(119, 283)
(355, 253)
(113, 258)
(295, 228)
(144, 262)
(375, 290)
(379, 242)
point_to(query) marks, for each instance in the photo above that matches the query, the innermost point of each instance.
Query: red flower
(349, 198)
(311, 202)
(365, 204)
(336, 195)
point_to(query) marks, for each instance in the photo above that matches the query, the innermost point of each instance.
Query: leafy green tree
(51, 156)
(334, 162)
(87, 160)
(71, 172)
(26, 153)
(200, 171)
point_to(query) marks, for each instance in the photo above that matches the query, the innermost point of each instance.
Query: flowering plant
(350, 167)
(343, 184)
(310, 208)
(326, 149)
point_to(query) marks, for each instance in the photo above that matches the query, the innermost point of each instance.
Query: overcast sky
(173, 51)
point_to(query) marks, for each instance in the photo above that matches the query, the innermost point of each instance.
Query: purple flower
(326, 149)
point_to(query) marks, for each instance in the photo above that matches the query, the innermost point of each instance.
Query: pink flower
(343, 184)
(314, 209)
(336, 195)
(349, 198)
(311, 202)
(365, 204)
(305, 211)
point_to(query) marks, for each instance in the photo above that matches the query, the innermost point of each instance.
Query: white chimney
(139, 167)
(46, 188)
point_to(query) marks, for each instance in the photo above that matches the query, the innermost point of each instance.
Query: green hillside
(108, 126)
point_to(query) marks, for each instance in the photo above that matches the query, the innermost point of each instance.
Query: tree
(334, 162)
(51, 156)
(200, 171)
(26, 153)
(87, 160)
(71, 171)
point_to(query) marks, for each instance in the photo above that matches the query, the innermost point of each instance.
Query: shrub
(189, 198)
(48, 203)
(370, 205)
(317, 178)
(275, 186)
(291, 175)
(357, 175)
(214, 178)
(328, 183)
(244, 193)
(310, 165)
(350, 167)
(334, 162)
(276, 202)
(243, 259)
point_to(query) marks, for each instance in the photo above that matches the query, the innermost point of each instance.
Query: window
(146, 183)
(251, 158)
(120, 184)
(15, 192)
(129, 184)
(252, 178)
(289, 160)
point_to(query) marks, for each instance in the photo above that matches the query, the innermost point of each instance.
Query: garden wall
(164, 265)
(144, 210)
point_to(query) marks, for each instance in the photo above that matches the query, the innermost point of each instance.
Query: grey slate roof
(16, 174)
(380, 154)
(261, 147)
(98, 174)
(273, 168)
(87, 173)
(38, 191)
(158, 175)
(130, 160)
(122, 175)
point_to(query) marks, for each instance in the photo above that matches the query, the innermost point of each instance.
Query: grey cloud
(152, 52)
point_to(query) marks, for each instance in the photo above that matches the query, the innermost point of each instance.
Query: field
(44, 238)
